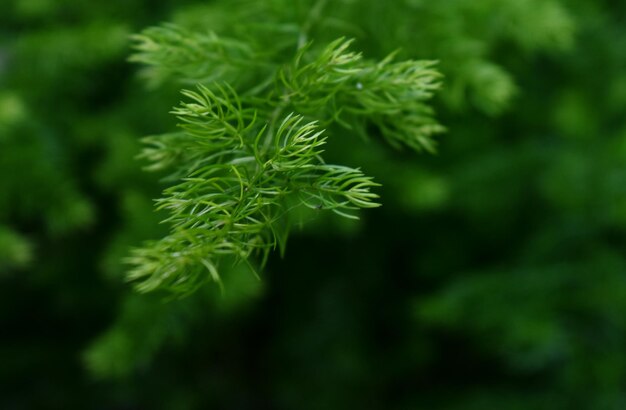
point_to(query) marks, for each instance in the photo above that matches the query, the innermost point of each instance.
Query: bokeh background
(494, 276)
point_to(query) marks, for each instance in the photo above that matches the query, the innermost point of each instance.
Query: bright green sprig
(353, 91)
(244, 159)
(240, 181)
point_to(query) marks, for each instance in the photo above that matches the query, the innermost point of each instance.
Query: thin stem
(312, 18)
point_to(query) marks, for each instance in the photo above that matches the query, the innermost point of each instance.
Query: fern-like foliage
(245, 158)
(171, 51)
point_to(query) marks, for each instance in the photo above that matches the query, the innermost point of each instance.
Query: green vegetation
(244, 163)
(385, 205)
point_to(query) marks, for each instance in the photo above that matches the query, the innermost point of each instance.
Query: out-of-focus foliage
(15, 250)
(494, 276)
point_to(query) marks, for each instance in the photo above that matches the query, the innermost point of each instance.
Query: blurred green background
(494, 276)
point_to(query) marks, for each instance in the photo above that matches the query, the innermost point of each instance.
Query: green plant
(250, 152)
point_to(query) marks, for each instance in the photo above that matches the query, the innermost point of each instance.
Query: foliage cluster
(246, 158)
